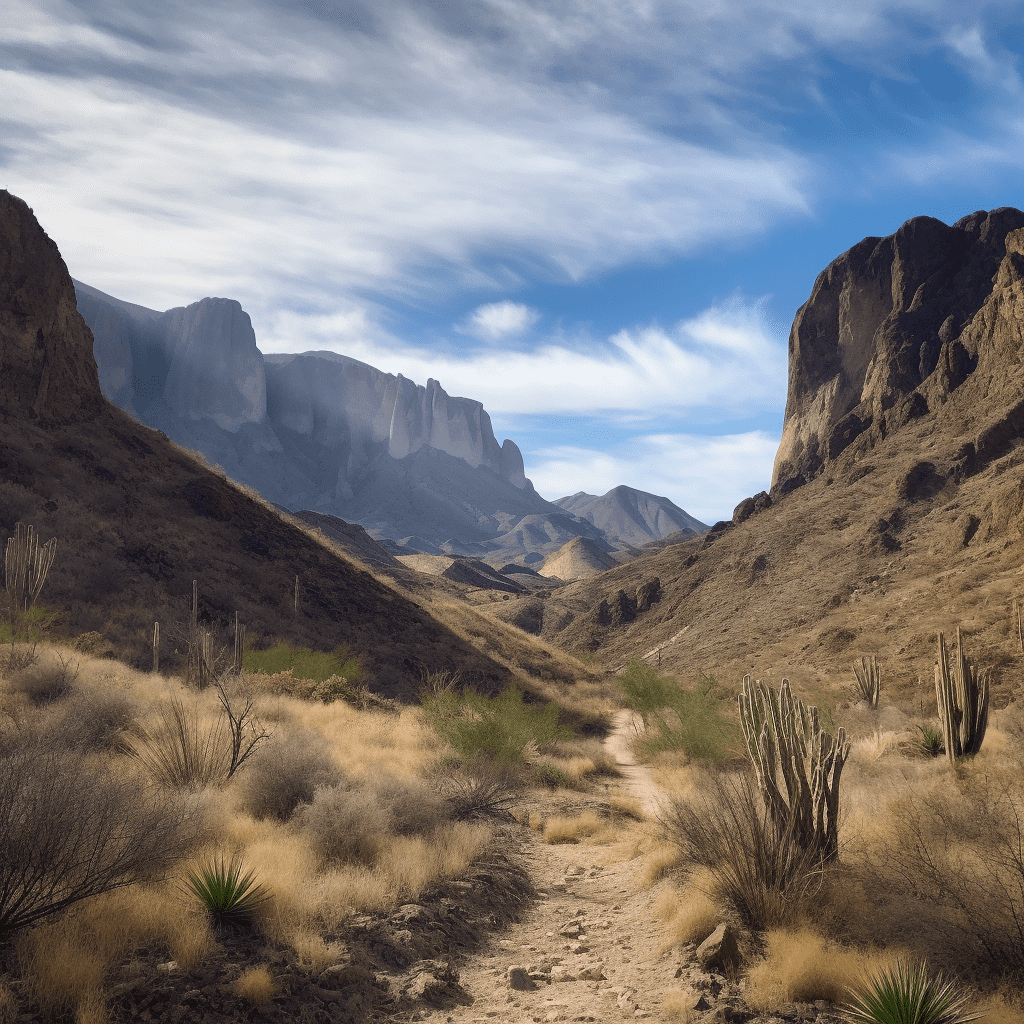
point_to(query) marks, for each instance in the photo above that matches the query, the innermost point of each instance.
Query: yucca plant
(931, 741)
(230, 897)
(905, 994)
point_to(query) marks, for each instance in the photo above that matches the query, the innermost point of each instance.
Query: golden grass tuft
(255, 986)
(688, 914)
(564, 829)
(659, 862)
(675, 1006)
(801, 966)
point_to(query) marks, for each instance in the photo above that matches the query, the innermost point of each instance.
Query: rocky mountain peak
(47, 369)
(892, 328)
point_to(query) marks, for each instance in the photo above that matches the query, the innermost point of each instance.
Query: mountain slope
(630, 516)
(881, 534)
(137, 519)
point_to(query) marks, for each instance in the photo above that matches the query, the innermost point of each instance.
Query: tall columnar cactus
(27, 566)
(961, 692)
(867, 679)
(787, 738)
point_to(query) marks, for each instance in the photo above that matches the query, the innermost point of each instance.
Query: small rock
(626, 1001)
(519, 979)
(720, 950)
(592, 972)
(344, 974)
(559, 974)
(579, 947)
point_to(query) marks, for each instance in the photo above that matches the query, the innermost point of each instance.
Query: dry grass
(801, 966)
(565, 829)
(255, 986)
(688, 914)
(659, 862)
(675, 1006)
(349, 773)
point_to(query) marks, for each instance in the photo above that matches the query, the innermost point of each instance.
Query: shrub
(485, 795)
(230, 897)
(413, 807)
(255, 985)
(68, 832)
(346, 826)
(906, 995)
(46, 682)
(286, 772)
(92, 719)
(498, 728)
(758, 866)
(692, 721)
(304, 663)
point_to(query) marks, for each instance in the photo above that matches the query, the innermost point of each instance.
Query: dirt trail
(589, 949)
(636, 778)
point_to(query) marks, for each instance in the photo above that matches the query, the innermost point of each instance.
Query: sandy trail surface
(589, 948)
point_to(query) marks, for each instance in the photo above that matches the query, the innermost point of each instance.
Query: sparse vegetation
(230, 897)
(962, 694)
(905, 994)
(691, 721)
(303, 663)
(868, 683)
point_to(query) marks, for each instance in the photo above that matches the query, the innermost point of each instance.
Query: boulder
(720, 951)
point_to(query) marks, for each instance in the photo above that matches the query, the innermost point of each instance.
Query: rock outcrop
(47, 370)
(892, 328)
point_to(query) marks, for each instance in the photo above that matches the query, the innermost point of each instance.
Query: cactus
(789, 738)
(156, 647)
(867, 679)
(961, 693)
(27, 566)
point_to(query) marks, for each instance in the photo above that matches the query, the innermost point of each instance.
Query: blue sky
(597, 217)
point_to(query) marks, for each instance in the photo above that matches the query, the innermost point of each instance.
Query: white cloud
(495, 321)
(706, 476)
(722, 362)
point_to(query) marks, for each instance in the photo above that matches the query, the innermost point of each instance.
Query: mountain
(897, 505)
(633, 517)
(576, 559)
(322, 432)
(138, 519)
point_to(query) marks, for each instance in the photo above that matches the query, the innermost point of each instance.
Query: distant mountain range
(329, 434)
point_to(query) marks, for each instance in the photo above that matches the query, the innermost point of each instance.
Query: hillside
(137, 518)
(897, 508)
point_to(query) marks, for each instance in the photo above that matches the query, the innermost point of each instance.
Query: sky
(596, 217)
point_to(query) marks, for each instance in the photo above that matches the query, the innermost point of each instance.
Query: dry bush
(255, 986)
(758, 868)
(800, 966)
(346, 825)
(285, 772)
(952, 860)
(560, 829)
(480, 794)
(62, 973)
(49, 677)
(91, 718)
(413, 807)
(70, 830)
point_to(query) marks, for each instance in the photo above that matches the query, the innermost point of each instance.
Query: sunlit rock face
(892, 328)
(215, 369)
(345, 404)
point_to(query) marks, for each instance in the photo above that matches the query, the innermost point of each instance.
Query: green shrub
(316, 666)
(693, 721)
(230, 897)
(906, 995)
(497, 728)
(551, 775)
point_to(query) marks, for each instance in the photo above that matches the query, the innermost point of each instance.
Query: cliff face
(47, 370)
(318, 430)
(892, 329)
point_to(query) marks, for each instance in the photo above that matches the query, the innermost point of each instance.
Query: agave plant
(229, 896)
(931, 742)
(905, 994)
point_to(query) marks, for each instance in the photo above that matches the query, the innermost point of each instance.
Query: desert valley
(313, 709)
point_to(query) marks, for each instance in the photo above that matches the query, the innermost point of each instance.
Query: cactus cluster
(867, 679)
(786, 737)
(27, 565)
(961, 692)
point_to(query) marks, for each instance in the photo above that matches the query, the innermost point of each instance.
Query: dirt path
(589, 950)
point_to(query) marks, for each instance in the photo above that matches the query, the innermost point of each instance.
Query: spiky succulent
(905, 994)
(229, 896)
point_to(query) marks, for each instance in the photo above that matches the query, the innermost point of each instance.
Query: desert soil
(589, 949)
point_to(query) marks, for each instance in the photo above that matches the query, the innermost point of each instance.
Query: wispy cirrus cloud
(496, 321)
(725, 361)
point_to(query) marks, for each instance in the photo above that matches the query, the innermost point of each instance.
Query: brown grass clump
(801, 966)
(659, 862)
(688, 914)
(675, 1006)
(559, 829)
(255, 986)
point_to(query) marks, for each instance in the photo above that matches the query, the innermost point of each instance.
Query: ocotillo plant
(27, 565)
(867, 679)
(789, 738)
(961, 692)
